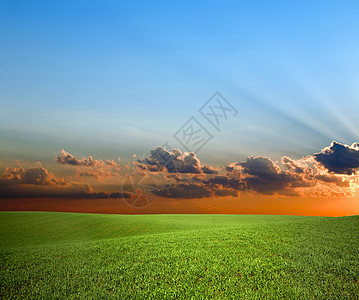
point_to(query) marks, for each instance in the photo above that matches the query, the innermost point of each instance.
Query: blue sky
(112, 78)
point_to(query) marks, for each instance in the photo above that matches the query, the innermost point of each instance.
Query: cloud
(262, 175)
(259, 166)
(36, 175)
(296, 166)
(174, 161)
(185, 191)
(225, 182)
(202, 187)
(289, 177)
(331, 172)
(88, 166)
(339, 158)
(38, 182)
(69, 191)
(328, 178)
(95, 173)
(68, 159)
(102, 195)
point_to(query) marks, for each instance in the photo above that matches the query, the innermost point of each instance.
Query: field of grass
(66, 255)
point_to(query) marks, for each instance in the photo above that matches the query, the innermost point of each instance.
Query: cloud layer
(330, 172)
(38, 182)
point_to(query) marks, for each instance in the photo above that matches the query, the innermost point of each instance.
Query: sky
(116, 79)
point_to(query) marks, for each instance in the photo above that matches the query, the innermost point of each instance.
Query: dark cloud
(339, 158)
(69, 191)
(102, 195)
(226, 182)
(202, 187)
(329, 178)
(185, 191)
(261, 174)
(264, 176)
(174, 161)
(268, 184)
(259, 166)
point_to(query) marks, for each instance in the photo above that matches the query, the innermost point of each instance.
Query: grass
(65, 255)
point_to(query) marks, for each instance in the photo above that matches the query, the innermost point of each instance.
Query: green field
(67, 255)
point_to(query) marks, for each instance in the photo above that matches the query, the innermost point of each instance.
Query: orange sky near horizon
(245, 204)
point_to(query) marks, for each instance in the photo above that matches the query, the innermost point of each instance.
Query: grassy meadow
(48, 255)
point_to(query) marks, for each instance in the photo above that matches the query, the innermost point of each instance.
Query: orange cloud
(38, 182)
(88, 167)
